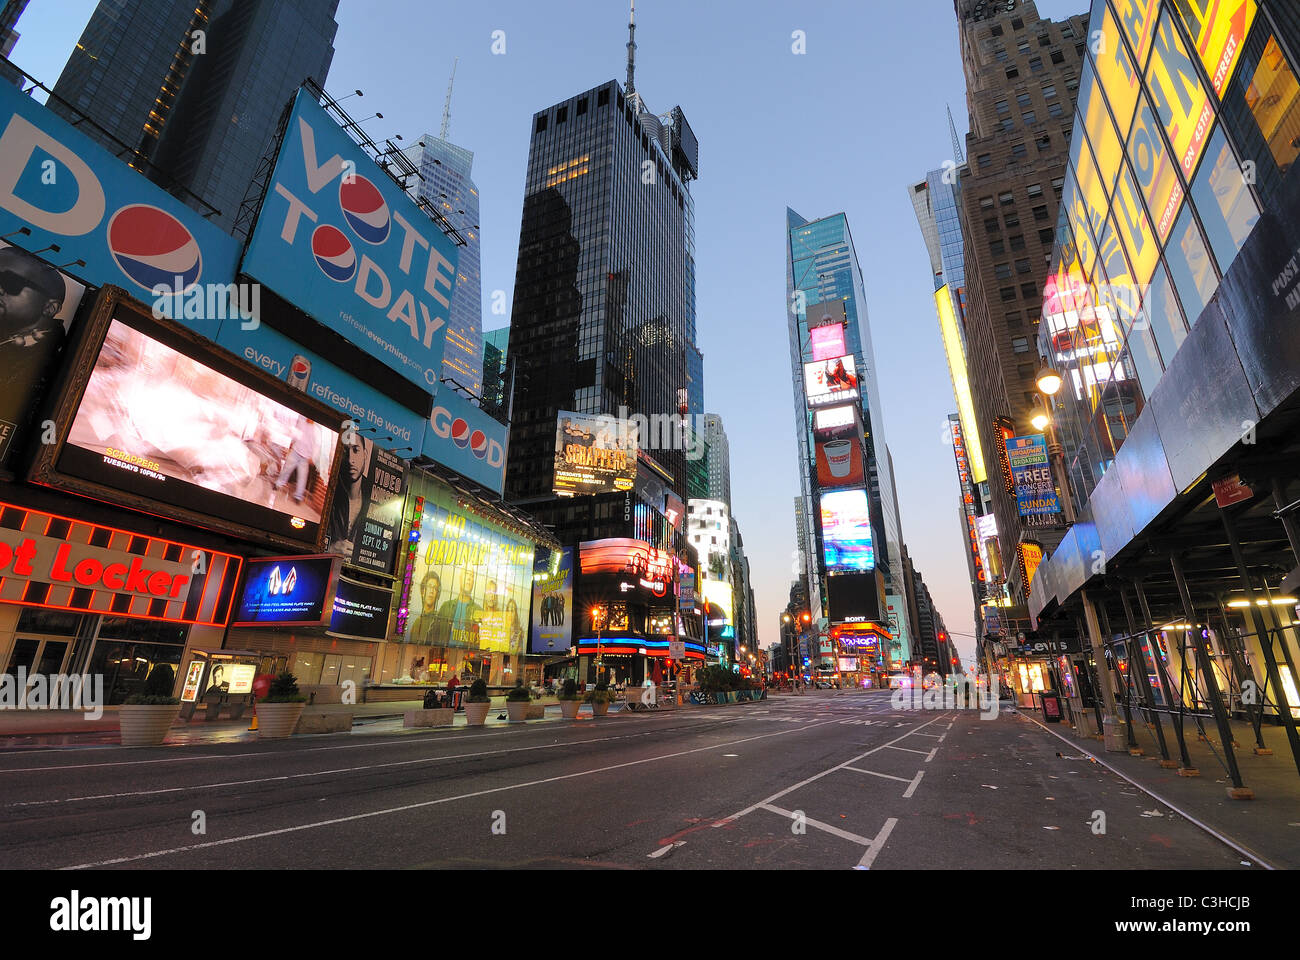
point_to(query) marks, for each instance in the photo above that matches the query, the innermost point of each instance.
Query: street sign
(677, 650)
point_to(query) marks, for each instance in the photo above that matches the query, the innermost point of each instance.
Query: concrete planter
(476, 713)
(429, 718)
(517, 711)
(599, 708)
(569, 709)
(278, 720)
(146, 725)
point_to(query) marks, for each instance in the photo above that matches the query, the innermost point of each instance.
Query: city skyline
(740, 216)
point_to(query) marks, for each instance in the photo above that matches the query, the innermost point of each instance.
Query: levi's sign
(338, 239)
(78, 565)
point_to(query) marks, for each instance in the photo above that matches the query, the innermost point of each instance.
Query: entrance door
(38, 654)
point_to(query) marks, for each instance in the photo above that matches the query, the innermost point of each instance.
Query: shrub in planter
(599, 699)
(145, 718)
(478, 703)
(570, 699)
(279, 711)
(517, 701)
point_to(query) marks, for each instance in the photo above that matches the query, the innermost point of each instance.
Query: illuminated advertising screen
(241, 678)
(471, 580)
(826, 323)
(360, 611)
(286, 591)
(1220, 28)
(847, 664)
(830, 381)
(365, 516)
(717, 594)
(1182, 103)
(1032, 475)
(831, 421)
(552, 626)
(339, 239)
(621, 566)
(846, 531)
(39, 302)
(156, 417)
(853, 598)
(840, 462)
(594, 454)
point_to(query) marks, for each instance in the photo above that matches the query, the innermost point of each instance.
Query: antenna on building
(631, 51)
(446, 107)
(957, 154)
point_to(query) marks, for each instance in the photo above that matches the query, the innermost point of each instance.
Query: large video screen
(287, 591)
(621, 566)
(846, 531)
(594, 454)
(831, 381)
(159, 423)
(853, 598)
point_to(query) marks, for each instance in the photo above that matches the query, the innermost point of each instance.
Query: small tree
(284, 689)
(569, 689)
(160, 681)
(478, 692)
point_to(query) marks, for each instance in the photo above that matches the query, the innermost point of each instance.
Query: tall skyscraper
(1022, 76)
(195, 91)
(604, 303)
(446, 183)
(496, 350)
(719, 459)
(853, 539)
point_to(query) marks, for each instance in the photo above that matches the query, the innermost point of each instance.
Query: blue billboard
(109, 223)
(339, 239)
(463, 437)
(1031, 472)
(287, 591)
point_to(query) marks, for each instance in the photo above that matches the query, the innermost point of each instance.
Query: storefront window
(1223, 200)
(1140, 355)
(125, 665)
(1262, 108)
(306, 667)
(1165, 318)
(1190, 267)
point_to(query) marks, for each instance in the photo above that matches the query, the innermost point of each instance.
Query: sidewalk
(1268, 826)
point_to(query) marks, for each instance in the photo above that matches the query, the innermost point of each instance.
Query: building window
(985, 160)
(1044, 143)
(1007, 199)
(1013, 319)
(1190, 266)
(561, 114)
(1008, 125)
(1022, 266)
(1023, 46)
(1067, 32)
(991, 225)
(1018, 242)
(1012, 73)
(1058, 56)
(541, 123)
(1040, 213)
(997, 247)
(1228, 211)
(1049, 91)
(986, 203)
(1055, 110)
(997, 30)
(1019, 151)
(1024, 100)
(1262, 108)
(1003, 108)
(1017, 24)
(1020, 344)
(1003, 271)
(1035, 64)
(1058, 185)
(1013, 222)
(1045, 237)
(1008, 294)
(582, 106)
(1044, 40)
(602, 98)
(1029, 116)
(1029, 290)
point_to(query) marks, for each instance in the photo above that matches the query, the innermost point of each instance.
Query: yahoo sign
(71, 193)
(337, 238)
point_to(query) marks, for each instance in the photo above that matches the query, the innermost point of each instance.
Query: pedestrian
(452, 684)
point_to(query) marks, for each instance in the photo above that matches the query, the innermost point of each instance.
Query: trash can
(1051, 706)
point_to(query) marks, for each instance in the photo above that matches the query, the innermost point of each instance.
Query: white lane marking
(905, 749)
(843, 834)
(665, 849)
(936, 736)
(877, 844)
(817, 776)
(943, 738)
(874, 773)
(907, 795)
(930, 756)
(425, 803)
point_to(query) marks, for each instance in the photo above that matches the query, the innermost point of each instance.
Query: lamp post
(1049, 383)
(598, 622)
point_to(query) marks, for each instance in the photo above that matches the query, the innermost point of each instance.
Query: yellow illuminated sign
(952, 346)
(1181, 101)
(1092, 205)
(1116, 74)
(1220, 28)
(1155, 170)
(1135, 230)
(1138, 18)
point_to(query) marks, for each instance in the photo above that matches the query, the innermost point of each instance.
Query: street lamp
(1049, 383)
(598, 623)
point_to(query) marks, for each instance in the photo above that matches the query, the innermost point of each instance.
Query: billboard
(552, 617)
(846, 531)
(37, 303)
(153, 416)
(360, 611)
(1032, 475)
(853, 598)
(86, 567)
(830, 381)
(621, 566)
(594, 453)
(365, 516)
(338, 238)
(461, 436)
(471, 580)
(72, 194)
(838, 447)
(826, 323)
(286, 591)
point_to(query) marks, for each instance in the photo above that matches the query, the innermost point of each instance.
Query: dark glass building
(194, 91)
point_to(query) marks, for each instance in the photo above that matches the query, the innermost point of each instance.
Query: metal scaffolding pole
(1211, 684)
(1124, 678)
(1254, 709)
(1161, 676)
(1110, 725)
(1144, 688)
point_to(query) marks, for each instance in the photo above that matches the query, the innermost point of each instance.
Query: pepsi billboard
(337, 238)
(461, 436)
(71, 193)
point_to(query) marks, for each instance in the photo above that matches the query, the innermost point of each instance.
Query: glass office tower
(828, 315)
(200, 121)
(446, 183)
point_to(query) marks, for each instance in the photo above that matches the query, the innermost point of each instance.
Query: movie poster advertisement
(552, 618)
(594, 454)
(471, 581)
(366, 517)
(37, 304)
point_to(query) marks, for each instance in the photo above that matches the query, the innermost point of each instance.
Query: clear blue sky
(847, 126)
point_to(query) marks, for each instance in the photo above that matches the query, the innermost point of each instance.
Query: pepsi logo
(153, 248)
(460, 433)
(478, 444)
(300, 368)
(364, 209)
(333, 252)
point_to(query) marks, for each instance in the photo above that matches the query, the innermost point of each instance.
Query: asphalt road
(792, 783)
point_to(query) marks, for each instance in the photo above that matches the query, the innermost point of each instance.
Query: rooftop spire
(446, 107)
(631, 51)
(957, 155)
